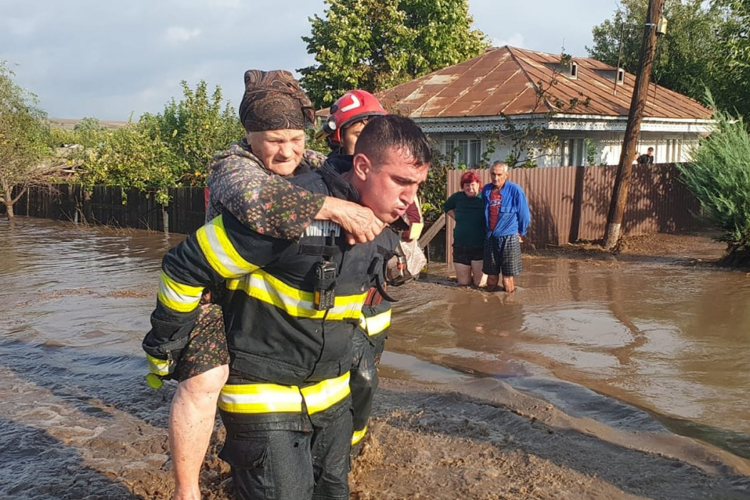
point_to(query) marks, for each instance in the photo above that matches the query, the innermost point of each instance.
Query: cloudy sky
(113, 59)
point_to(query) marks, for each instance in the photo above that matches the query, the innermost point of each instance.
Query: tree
(707, 45)
(173, 148)
(23, 141)
(719, 177)
(376, 44)
(731, 63)
(132, 157)
(682, 61)
(195, 128)
(88, 132)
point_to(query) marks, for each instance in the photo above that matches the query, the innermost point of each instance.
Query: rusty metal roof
(506, 80)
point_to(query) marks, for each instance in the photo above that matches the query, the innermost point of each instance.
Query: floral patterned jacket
(266, 203)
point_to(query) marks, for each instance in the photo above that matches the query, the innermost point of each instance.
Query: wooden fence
(570, 204)
(111, 206)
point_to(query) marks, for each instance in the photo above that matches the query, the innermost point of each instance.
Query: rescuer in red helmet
(349, 115)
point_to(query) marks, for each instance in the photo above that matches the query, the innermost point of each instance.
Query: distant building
(461, 107)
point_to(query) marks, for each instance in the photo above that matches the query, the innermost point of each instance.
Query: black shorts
(465, 255)
(502, 256)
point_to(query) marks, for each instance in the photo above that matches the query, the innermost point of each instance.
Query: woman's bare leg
(191, 423)
(477, 275)
(463, 274)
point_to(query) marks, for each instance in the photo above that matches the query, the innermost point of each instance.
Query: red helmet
(351, 107)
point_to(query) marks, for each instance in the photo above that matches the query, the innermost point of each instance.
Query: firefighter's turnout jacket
(287, 356)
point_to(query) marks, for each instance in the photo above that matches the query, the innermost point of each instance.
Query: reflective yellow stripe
(325, 394)
(219, 252)
(272, 398)
(358, 435)
(178, 296)
(378, 323)
(260, 398)
(158, 366)
(415, 231)
(294, 302)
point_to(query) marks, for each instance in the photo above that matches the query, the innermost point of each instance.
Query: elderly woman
(467, 208)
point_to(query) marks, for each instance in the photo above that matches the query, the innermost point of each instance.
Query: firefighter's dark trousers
(269, 461)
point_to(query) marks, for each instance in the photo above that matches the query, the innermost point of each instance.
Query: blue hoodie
(514, 216)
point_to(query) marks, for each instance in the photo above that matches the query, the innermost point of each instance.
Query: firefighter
(290, 312)
(274, 112)
(348, 117)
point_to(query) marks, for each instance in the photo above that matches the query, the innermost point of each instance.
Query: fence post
(165, 219)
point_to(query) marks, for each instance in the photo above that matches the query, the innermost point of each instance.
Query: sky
(115, 59)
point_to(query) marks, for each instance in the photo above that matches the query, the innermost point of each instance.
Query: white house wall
(668, 147)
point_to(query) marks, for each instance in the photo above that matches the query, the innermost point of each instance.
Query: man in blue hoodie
(507, 214)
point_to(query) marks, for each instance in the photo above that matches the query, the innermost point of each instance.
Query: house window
(450, 145)
(575, 152)
(475, 152)
(466, 152)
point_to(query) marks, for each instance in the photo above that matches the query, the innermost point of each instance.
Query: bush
(131, 157)
(432, 193)
(719, 177)
(170, 149)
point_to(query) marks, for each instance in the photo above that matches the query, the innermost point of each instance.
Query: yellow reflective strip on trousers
(272, 398)
(325, 394)
(158, 366)
(295, 302)
(378, 323)
(219, 251)
(260, 398)
(178, 296)
(358, 435)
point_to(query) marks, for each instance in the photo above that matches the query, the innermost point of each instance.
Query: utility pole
(633, 129)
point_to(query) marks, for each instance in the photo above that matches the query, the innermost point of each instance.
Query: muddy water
(647, 344)
(640, 345)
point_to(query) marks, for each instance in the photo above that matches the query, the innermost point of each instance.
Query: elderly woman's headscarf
(273, 100)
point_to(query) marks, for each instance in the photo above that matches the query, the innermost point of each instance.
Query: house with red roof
(574, 110)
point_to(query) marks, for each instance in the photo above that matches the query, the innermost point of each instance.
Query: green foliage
(526, 142)
(432, 193)
(319, 144)
(719, 176)
(590, 151)
(88, 132)
(132, 157)
(706, 45)
(377, 44)
(731, 61)
(195, 128)
(173, 148)
(24, 137)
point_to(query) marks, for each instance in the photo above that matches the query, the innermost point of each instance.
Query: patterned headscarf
(273, 100)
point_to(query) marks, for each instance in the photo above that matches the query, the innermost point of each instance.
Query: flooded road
(669, 339)
(643, 345)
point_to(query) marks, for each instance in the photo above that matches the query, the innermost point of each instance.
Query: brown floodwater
(647, 344)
